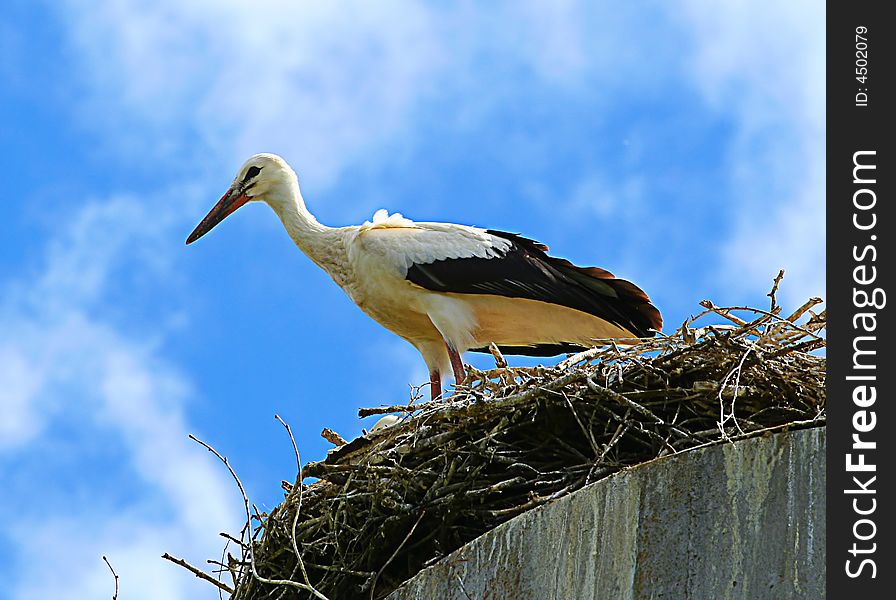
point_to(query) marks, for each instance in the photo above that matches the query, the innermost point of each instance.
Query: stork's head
(264, 177)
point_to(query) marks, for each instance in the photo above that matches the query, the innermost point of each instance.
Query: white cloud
(763, 63)
(406, 368)
(319, 82)
(93, 442)
(791, 236)
(330, 84)
(19, 423)
(61, 558)
(597, 197)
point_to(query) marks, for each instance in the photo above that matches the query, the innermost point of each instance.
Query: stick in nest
(774, 291)
(198, 573)
(298, 509)
(332, 437)
(394, 554)
(251, 549)
(500, 361)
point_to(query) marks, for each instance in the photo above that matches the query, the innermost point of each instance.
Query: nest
(396, 500)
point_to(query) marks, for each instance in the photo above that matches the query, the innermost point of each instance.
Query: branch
(114, 574)
(774, 291)
(333, 437)
(298, 511)
(197, 572)
(500, 361)
(246, 505)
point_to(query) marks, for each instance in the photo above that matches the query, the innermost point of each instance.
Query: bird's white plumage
(385, 423)
(383, 220)
(400, 242)
(371, 263)
(380, 255)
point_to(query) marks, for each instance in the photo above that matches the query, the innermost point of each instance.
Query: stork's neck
(311, 236)
(299, 222)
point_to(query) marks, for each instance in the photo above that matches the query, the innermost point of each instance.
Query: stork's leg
(457, 364)
(435, 384)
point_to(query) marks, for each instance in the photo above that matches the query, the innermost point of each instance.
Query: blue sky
(680, 145)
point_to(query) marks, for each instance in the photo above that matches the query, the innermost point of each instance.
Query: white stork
(449, 288)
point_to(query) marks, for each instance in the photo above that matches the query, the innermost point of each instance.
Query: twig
(723, 418)
(230, 538)
(298, 509)
(332, 437)
(802, 309)
(445, 409)
(725, 312)
(595, 387)
(586, 432)
(248, 511)
(198, 573)
(394, 554)
(114, 574)
(400, 408)
(722, 312)
(224, 554)
(500, 361)
(617, 435)
(774, 291)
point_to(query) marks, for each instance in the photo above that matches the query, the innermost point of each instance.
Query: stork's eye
(251, 173)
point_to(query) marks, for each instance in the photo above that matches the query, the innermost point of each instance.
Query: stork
(448, 288)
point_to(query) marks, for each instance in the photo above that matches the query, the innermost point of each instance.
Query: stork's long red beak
(226, 205)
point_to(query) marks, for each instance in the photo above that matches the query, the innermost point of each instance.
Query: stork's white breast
(380, 254)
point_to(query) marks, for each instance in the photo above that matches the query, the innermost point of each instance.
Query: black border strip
(860, 274)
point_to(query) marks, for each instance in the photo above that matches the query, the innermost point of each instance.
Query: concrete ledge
(743, 520)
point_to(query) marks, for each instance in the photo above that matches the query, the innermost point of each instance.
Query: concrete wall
(743, 520)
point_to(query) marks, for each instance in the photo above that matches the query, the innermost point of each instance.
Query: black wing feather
(526, 271)
(535, 350)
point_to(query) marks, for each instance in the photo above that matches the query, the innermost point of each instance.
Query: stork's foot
(457, 364)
